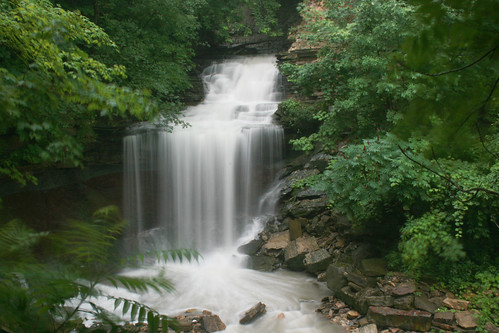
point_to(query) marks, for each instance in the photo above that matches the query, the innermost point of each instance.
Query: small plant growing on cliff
(49, 294)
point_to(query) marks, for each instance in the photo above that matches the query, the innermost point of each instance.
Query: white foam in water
(204, 187)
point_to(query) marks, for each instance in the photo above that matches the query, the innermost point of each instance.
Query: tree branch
(448, 179)
(490, 52)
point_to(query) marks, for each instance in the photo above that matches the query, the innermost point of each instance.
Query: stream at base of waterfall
(205, 187)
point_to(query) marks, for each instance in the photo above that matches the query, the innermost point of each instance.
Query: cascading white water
(204, 187)
(200, 185)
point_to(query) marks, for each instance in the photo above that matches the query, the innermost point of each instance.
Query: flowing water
(206, 187)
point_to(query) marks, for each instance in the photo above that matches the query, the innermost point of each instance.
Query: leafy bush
(388, 186)
(298, 118)
(46, 293)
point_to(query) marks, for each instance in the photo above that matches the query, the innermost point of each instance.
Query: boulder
(335, 276)
(379, 300)
(371, 328)
(319, 161)
(347, 295)
(317, 226)
(307, 207)
(352, 314)
(277, 241)
(404, 288)
(456, 304)
(466, 319)
(446, 317)
(365, 296)
(295, 252)
(263, 263)
(491, 328)
(360, 279)
(296, 175)
(253, 313)
(212, 323)
(373, 267)
(294, 229)
(438, 301)
(412, 320)
(309, 194)
(317, 261)
(251, 247)
(423, 303)
(194, 320)
(404, 302)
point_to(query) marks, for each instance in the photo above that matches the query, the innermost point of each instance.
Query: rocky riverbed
(365, 296)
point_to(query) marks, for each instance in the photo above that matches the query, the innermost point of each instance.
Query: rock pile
(306, 236)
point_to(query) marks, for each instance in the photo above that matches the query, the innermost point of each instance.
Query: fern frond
(16, 239)
(165, 256)
(91, 242)
(159, 283)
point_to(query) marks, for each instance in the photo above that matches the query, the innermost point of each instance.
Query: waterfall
(205, 187)
(199, 186)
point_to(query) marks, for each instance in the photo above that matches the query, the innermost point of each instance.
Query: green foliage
(422, 76)
(155, 41)
(357, 41)
(51, 90)
(477, 284)
(388, 186)
(47, 293)
(265, 15)
(456, 55)
(297, 117)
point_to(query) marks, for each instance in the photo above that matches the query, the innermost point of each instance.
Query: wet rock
(466, 319)
(212, 323)
(251, 247)
(317, 226)
(354, 286)
(277, 241)
(384, 300)
(404, 288)
(446, 317)
(442, 326)
(295, 252)
(360, 280)
(322, 277)
(491, 328)
(253, 313)
(456, 304)
(373, 267)
(335, 276)
(263, 263)
(438, 301)
(423, 303)
(347, 295)
(404, 302)
(361, 303)
(352, 314)
(317, 261)
(319, 161)
(307, 208)
(343, 223)
(194, 320)
(357, 252)
(363, 321)
(309, 194)
(412, 320)
(294, 229)
(293, 177)
(371, 328)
